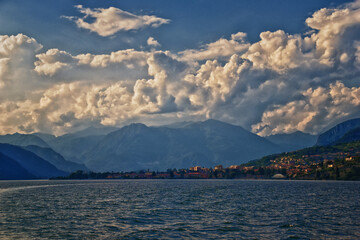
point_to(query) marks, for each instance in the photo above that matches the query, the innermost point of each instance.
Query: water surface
(164, 209)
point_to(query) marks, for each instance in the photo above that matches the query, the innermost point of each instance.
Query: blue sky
(193, 23)
(270, 66)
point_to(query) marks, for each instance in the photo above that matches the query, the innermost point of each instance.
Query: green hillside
(340, 162)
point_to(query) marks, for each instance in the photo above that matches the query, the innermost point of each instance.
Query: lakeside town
(317, 163)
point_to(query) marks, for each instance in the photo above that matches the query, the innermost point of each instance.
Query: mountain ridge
(200, 143)
(10, 169)
(55, 159)
(19, 139)
(28, 160)
(335, 133)
(293, 141)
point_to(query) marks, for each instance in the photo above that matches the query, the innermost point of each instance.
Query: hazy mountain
(179, 124)
(351, 136)
(23, 140)
(55, 159)
(37, 143)
(45, 137)
(32, 163)
(90, 131)
(293, 141)
(10, 169)
(334, 134)
(72, 146)
(206, 143)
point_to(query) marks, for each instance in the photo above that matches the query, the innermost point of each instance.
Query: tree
(337, 172)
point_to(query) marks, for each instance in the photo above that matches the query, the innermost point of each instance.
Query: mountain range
(55, 159)
(27, 163)
(23, 140)
(137, 146)
(334, 134)
(293, 141)
(10, 169)
(73, 146)
(208, 143)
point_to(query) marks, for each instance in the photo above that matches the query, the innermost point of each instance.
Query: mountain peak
(135, 127)
(206, 143)
(23, 140)
(293, 141)
(332, 135)
(213, 121)
(90, 131)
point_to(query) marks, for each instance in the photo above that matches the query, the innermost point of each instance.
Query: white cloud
(109, 21)
(220, 48)
(332, 26)
(17, 45)
(129, 57)
(16, 53)
(282, 83)
(120, 65)
(52, 61)
(318, 108)
(280, 52)
(357, 54)
(64, 106)
(4, 68)
(152, 42)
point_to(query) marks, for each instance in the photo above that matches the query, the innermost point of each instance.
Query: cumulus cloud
(318, 107)
(357, 54)
(221, 48)
(4, 66)
(109, 21)
(119, 65)
(152, 42)
(280, 51)
(52, 61)
(16, 53)
(332, 25)
(64, 106)
(282, 83)
(129, 57)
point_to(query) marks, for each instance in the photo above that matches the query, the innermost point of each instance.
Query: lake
(182, 209)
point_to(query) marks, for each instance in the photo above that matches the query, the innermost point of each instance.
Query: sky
(269, 66)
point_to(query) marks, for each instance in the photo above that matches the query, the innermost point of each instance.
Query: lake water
(182, 209)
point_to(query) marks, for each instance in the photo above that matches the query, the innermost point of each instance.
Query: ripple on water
(196, 209)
